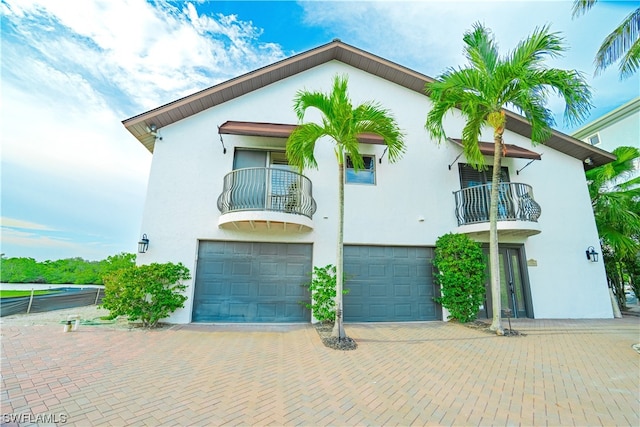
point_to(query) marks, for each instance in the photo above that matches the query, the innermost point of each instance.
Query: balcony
(518, 212)
(266, 198)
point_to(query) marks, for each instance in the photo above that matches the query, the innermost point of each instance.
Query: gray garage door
(389, 284)
(251, 282)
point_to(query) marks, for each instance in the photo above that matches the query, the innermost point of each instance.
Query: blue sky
(74, 180)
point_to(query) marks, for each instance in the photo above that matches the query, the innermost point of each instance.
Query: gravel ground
(90, 315)
(325, 330)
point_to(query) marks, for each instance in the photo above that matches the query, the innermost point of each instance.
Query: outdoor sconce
(143, 244)
(592, 255)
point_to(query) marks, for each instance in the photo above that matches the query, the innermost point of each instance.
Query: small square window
(594, 139)
(366, 175)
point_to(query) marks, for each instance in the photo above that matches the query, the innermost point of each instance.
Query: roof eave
(336, 50)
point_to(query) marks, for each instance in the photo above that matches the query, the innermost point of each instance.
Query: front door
(514, 290)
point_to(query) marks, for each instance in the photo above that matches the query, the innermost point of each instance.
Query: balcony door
(478, 208)
(268, 183)
(248, 190)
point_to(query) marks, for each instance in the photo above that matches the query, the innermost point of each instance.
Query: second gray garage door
(389, 284)
(251, 282)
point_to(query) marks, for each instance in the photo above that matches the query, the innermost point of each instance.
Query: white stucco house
(222, 200)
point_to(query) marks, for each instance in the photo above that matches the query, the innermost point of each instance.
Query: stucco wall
(411, 204)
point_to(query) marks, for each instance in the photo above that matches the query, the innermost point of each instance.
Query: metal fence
(65, 298)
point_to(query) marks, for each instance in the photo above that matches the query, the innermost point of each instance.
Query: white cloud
(151, 53)
(427, 35)
(35, 240)
(17, 223)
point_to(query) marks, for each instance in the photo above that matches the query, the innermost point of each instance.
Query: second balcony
(266, 198)
(518, 212)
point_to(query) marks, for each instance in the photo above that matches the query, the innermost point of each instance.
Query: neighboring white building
(620, 127)
(223, 201)
(616, 128)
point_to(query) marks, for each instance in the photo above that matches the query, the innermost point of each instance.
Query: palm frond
(301, 145)
(540, 44)
(633, 186)
(630, 63)
(581, 6)
(370, 117)
(572, 87)
(470, 146)
(621, 40)
(480, 48)
(304, 100)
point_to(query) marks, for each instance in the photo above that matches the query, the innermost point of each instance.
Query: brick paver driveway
(578, 372)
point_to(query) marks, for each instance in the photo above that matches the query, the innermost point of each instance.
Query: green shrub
(323, 293)
(461, 274)
(146, 292)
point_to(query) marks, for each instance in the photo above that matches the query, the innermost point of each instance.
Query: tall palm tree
(616, 205)
(488, 85)
(342, 124)
(623, 42)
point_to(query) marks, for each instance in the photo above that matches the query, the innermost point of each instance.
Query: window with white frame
(365, 175)
(594, 139)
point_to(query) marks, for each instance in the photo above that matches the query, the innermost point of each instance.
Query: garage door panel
(428, 310)
(268, 269)
(400, 290)
(377, 270)
(240, 311)
(296, 269)
(389, 284)
(402, 311)
(295, 291)
(378, 290)
(237, 289)
(400, 252)
(251, 282)
(401, 271)
(294, 310)
(378, 312)
(355, 289)
(238, 248)
(297, 250)
(242, 268)
(266, 312)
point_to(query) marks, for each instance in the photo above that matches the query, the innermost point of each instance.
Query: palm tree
(342, 123)
(623, 42)
(616, 206)
(488, 85)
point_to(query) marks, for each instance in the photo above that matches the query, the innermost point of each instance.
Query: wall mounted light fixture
(143, 244)
(592, 255)
(152, 130)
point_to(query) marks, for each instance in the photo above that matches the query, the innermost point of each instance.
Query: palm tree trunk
(494, 261)
(338, 328)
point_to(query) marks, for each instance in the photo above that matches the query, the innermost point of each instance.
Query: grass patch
(15, 294)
